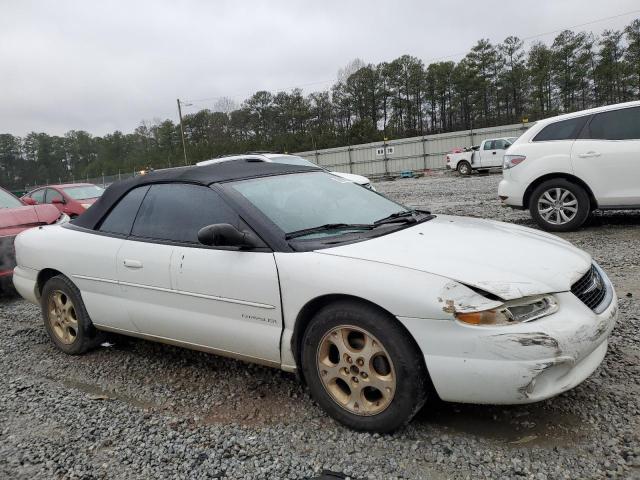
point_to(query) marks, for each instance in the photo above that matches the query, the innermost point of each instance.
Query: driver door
(230, 301)
(493, 153)
(221, 298)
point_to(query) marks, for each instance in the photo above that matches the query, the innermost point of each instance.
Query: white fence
(379, 159)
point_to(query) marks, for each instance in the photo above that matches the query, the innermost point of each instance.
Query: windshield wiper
(405, 216)
(328, 226)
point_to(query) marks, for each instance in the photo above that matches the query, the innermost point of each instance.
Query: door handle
(494, 153)
(589, 154)
(132, 263)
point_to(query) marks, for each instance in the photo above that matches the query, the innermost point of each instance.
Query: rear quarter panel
(88, 260)
(458, 157)
(542, 158)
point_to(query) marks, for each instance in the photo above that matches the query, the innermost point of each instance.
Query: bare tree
(225, 105)
(350, 68)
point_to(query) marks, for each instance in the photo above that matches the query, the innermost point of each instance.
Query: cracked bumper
(513, 364)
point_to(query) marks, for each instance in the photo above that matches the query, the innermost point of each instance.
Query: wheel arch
(550, 176)
(464, 161)
(43, 277)
(309, 310)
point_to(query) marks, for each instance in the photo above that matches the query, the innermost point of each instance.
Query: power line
(429, 60)
(538, 35)
(581, 25)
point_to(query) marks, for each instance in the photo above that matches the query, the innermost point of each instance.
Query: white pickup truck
(480, 157)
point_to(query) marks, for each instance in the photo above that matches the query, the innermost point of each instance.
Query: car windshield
(292, 160)
(9, 201)
(84, 191)
(303, 201)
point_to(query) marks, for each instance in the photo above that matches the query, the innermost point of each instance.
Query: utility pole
(184, 145)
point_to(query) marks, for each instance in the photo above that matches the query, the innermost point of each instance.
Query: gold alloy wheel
(62, 317)
(356, 370)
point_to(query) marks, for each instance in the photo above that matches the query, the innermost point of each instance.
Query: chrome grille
(590, 288)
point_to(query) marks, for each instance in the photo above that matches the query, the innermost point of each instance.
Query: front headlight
(516, 311)
(85, 205)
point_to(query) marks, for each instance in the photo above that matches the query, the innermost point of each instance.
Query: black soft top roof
(203, 175)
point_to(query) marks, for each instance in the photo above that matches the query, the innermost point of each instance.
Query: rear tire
(559, 205)
(464, 168)
(65, 317)
(363, 368)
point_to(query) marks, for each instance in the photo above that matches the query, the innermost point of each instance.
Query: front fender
(403, 292)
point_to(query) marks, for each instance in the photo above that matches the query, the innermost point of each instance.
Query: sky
(101, 66)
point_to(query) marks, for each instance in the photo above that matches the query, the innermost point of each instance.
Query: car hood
(503, 259)
(88, 201)
(352, 177)
(14, 220)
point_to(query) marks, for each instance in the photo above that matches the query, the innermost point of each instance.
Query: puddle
(94, 392)
(528, 425)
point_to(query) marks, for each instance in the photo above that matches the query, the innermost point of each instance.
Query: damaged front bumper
(512, 364)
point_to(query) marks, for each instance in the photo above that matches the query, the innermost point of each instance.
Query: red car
(16, 216)
(72, 198)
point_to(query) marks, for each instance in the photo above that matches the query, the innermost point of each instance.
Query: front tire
(363, 368)
(65, 317)
(559, 205)
(464, 168)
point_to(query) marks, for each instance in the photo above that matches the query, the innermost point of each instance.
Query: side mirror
(226, 235)
(57, 200)
(29, 201)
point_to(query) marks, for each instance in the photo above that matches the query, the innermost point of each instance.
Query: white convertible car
(375, 305)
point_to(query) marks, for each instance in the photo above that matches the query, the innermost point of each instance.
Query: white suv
(563, 168)
(289, 160)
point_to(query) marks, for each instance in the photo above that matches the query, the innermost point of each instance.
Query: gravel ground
(143, 410)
